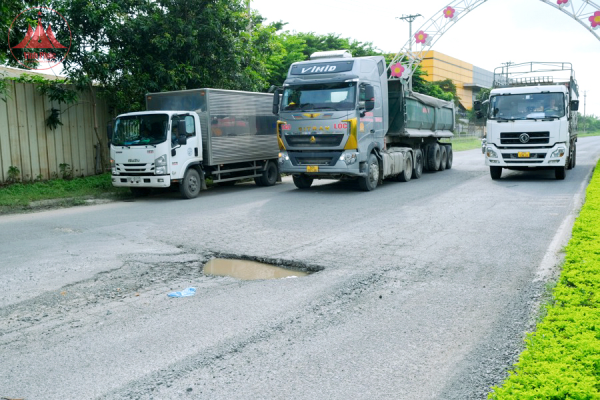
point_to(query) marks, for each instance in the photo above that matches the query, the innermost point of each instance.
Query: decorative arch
(586, 12)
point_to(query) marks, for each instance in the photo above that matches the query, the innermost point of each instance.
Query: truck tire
(443, 158)
(433, 157)
(191, 184)
(496, 172)
(369, 182)
(407, 172)
(418, 165)
(572, 157)
(140, 192)
(269, 175)
(560, 173)
(302, 181)
(449, 156)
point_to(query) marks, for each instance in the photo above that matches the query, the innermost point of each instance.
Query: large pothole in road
(248, 270)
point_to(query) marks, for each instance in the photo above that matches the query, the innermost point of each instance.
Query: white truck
(188, 136)
(531, 118)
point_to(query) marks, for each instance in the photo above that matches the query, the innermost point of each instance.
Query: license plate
(523, 154)
(312, 168)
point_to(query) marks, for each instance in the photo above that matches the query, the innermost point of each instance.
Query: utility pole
(249, 28)
(410, 19)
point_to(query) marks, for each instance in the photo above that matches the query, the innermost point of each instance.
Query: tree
(132, 47)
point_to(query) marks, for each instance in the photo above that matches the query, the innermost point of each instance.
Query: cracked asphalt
(418, 290)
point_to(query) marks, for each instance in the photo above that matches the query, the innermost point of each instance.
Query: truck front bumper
(526, 157)
(151, 181)
(323, 164)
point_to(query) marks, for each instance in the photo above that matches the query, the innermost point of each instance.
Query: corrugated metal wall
(36, 150)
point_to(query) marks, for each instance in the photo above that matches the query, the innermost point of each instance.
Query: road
(419, 290)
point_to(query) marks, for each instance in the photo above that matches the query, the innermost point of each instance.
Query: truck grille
(534, 138)
(322, 140)
(136, 169)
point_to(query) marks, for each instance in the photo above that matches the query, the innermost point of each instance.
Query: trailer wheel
(418, 168)
(407, 173)
(496, 172)
(560, 173)
(443, 158)
(191, 184)
(369, 182)
(433, 157)
(140, 192)
(302, 181)
(269, 175)
(449, 156)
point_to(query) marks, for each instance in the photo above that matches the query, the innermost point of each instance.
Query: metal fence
(38, 152)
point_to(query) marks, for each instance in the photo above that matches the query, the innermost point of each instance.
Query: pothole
(248, 270)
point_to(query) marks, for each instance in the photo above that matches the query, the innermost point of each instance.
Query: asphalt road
(420, 290)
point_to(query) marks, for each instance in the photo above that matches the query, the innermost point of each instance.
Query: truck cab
(152, 149)
(531, 122)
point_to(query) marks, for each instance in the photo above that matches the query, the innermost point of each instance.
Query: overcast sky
(497, 31)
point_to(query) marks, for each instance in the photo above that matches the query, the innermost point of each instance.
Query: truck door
(182, 153)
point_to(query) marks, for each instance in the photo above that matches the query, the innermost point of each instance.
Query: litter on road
(184, 293)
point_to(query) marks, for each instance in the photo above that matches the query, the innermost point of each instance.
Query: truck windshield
(322, 96)
(139, 130)
(527, 106)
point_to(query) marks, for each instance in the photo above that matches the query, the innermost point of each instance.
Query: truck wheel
(190, 185)
(369, 182)
(433, 157)
(496, 172)
(449, 156)
(302, 181)
(443, 158)
(140, 192)
(269, 175)
(407, 173)
(560, 172)
(418, 168)
(572, 158)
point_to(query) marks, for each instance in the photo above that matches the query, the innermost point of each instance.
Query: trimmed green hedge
(562, 359)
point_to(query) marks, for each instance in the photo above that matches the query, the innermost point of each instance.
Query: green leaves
(562, 360)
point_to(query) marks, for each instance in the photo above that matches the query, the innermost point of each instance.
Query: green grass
(461, 144)
(562, 358)
(594, 133)
(19, 195)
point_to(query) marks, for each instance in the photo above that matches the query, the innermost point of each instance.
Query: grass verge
(595, 133)
(562, 358)
(461, 144)
(18, 196)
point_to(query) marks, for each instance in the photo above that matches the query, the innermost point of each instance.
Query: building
(469, 79)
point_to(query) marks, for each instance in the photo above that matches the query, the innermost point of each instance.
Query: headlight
(113, 167)
(160, 165)
(558, 152)
(349, 158)
(283, 157)
(491, 153)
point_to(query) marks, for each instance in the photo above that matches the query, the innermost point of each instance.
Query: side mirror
(369, 97)
(182, 135)
(109, 132)
(479, 114)
(574, 105)
(477, 105)
(276, 102)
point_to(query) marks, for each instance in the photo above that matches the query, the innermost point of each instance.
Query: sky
(496, 32)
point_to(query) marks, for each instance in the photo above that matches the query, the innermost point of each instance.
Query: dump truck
(340, 117)
(188, 136)
(531, 118)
